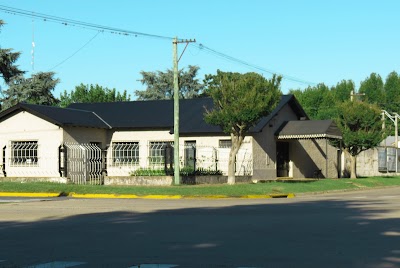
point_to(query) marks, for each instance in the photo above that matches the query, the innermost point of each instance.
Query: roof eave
(308, 136)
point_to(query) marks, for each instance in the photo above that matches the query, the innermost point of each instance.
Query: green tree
(92, 93)
(392, 91)
(317, 101)
(8, 69)
(373, 89)
(160, 84)
(342, 91)
(240, 101)
(36, 90)
(361, 127)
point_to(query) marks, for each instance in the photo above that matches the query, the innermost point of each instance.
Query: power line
(201, 47)
(73, 54)
(70, 22)
(253, 66)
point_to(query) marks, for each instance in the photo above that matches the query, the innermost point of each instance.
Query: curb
(124, 196)
(133, 196)
(18, 194)
(127, 196)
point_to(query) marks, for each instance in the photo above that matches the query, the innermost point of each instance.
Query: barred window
(157, 151)
(24, 153)
(125, 152)
(225, 143)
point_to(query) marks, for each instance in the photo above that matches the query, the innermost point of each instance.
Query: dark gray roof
(285, 100)
(309, 129)
(157, 114)
(58, 116)
(160, 114)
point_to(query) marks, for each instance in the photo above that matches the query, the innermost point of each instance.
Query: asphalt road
(357, 229)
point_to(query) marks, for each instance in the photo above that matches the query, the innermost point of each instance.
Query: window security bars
(157, 153)
(190, 155)
(24, 153)
(225, 143)
(88, 163)
(125, 153)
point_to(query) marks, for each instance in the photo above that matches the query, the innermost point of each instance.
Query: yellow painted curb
(102, 195)
(154, 196)
(125, 196)
(206, 196)
(16, 194)
(132, 196)
(255, 196)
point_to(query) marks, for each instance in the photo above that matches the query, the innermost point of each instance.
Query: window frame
(24, 153)
(157, 155)
(125, 155)
(225, 143)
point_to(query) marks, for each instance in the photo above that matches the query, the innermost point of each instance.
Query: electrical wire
(73, 54)
(250, 65)
(70, 22)
(101, 28)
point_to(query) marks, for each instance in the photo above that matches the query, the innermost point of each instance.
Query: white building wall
(207, 149)
(24, 126)
(368, 164)
(85, 135)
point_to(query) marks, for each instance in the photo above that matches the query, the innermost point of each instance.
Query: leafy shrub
(185, 171)
(149, 172)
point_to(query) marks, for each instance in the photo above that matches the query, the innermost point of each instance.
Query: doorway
(282, 159)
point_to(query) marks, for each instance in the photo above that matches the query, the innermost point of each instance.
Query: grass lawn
(203, 190)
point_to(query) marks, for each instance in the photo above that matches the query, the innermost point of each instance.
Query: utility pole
(394, 118)
(175, 43)
(352, 94)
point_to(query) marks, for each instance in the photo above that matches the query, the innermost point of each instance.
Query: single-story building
(87, 141)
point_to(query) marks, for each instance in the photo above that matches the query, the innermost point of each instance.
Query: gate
(83, 163)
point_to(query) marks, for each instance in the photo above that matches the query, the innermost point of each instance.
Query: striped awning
(309, 129)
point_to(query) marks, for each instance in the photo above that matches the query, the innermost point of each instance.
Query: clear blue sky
(314, 41)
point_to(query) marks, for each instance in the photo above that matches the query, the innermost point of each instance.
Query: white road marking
(359, 197)
(57, 264)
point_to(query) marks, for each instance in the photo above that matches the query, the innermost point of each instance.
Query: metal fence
(83, 163)
(388, 159)
(155, 158)
(89, 163)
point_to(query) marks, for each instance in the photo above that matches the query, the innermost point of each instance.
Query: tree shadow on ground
(328, 233)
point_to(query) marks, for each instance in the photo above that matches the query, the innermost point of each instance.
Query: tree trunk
(236, 142)
(353, 165)
(231, 167)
